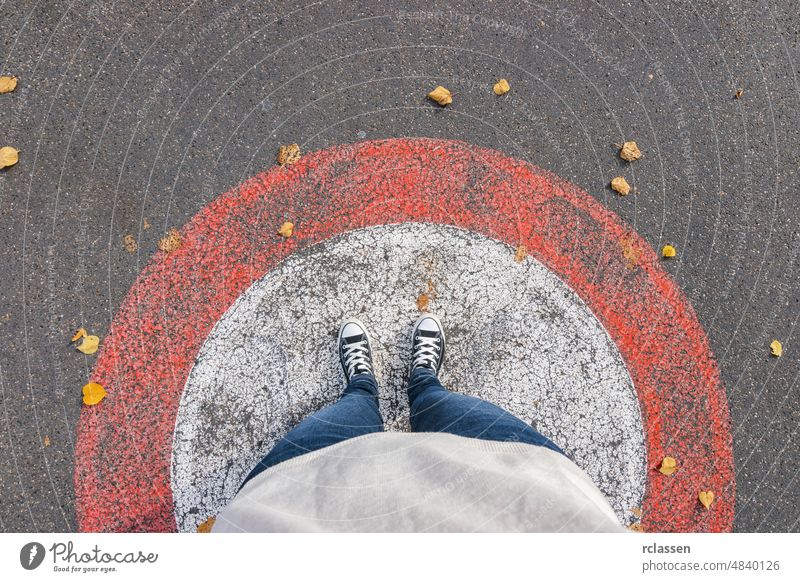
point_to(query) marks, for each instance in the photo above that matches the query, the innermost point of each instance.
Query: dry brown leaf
(79, 333)
(288, 154)
(206, 526)
(286, 230)
(171, 242)
(7, 84)
(637, 527)
(423, 302)
(668, 251)
(424, 299)
(145, 224)
(8, 156)
(46, 441)
(630, 251)
(620, 184)
(501, 87)
(93, 393)
(130, 243)
(441, 95)
(706, 498)
(89, 344)
(738, 94)
(668, 466)
(636, 511)
(522, 252)
(630, 151)
(776, 348)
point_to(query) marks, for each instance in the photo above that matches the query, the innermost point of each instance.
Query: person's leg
(435, 409)
(354, 414)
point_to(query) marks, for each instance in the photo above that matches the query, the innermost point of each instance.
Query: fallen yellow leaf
(8, 156)
(668, 466)
(286, 230)
(78, 334)
(522, 252)
(130, 243)
(501, 87)
(706, 498)
(7, 84)
(668, 251)
(288, 154)
(776, 348)
(206, 526)
(93, 393)
(171, 242)
(630, 151)
(89, 344)
(441, 95)
(620, 184)
(46, 441)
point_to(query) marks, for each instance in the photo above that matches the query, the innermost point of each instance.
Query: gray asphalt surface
(127, 111)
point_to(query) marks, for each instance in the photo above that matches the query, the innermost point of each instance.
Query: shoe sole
(360, 324)
(441, 328)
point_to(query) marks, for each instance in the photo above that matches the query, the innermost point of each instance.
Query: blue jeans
(433, 409)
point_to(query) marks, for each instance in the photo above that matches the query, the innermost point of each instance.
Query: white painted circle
(517, 336)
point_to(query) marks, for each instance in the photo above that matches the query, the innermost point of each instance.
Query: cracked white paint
(517, 336)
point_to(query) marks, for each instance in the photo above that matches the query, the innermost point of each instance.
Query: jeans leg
(435, 409)
(356, 413)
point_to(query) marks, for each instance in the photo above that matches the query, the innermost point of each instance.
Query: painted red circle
(124, 445)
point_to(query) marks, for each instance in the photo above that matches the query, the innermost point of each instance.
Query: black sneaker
(355, 352)
(427, 343)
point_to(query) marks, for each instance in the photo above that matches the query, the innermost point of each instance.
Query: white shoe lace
(356, 358)
(426, 351)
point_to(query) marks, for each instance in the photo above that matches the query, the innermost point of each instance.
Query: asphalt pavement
(132, 116)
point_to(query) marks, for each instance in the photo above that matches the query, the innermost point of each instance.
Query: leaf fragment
(93, 393)
(668, 466)
(706, 498)
(668, 251)
(7, 84)
(637, 527)
(441, 95)
(423, 302)
(130, 243)
(288, 154)
(206, 526)
(521, 253)
(636, 511)
(89, 344)
(8, 156)
(286, 230)
(46, 441)
(738, 94)
(170, 242)
(630, 251)
(424, 299)
(501, 87)
(79, 333)
(630, 151)
(620, 184)
(776, 348)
